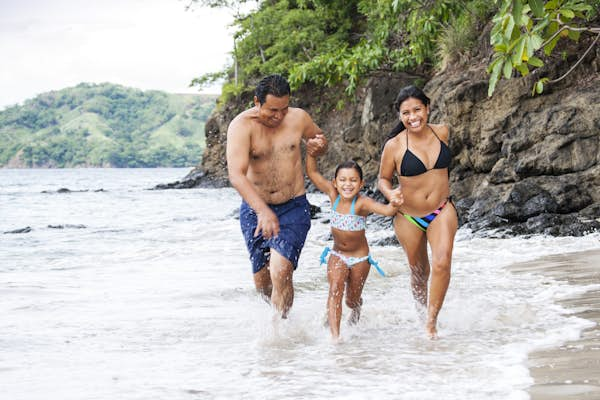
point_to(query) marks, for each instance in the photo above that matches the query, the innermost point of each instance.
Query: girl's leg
(414, 242)
(440, 234)
(357, 277)
(337, 273)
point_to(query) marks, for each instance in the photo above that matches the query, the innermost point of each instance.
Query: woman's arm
(386, 169)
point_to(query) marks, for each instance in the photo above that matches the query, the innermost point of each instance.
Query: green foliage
(527, 31)
(105, 125)
(459, 37)
(337, 41)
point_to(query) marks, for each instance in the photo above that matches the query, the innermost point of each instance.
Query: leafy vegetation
(340, 42)
(526, 31)
(105, 125)
(335, 42)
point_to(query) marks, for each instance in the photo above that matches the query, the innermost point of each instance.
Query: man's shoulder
(298, 112)
(243, 120)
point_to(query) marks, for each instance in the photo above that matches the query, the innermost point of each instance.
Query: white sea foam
(154, 299)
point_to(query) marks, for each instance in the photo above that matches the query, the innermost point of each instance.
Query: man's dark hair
(274, 84)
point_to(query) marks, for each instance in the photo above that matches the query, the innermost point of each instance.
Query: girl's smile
(348, 183)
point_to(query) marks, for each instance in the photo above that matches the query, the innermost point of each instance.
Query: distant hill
(105, 125)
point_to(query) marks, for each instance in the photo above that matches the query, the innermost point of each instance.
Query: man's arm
(238, 161)
(316, 142)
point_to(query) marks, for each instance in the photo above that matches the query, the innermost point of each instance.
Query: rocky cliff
(521, 164)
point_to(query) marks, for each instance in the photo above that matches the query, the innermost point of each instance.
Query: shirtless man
(265, 166)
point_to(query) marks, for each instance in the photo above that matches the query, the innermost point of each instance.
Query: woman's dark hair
(349, 164)
(406, 92)
(274, 84)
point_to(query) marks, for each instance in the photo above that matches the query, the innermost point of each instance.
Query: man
(265, 166)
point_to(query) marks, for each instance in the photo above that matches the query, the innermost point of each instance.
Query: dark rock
(521, 164)
(67, 190)
(67, 226)
(387, 241)
(314, 210)
(27, 229)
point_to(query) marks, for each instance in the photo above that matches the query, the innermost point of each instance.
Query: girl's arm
(319, 180)
(373, 206)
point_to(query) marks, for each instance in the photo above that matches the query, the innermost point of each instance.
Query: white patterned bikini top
(347, 222)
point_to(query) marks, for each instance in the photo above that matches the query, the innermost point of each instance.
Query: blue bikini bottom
(349, 260)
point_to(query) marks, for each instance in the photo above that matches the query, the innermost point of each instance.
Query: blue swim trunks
(294, 223)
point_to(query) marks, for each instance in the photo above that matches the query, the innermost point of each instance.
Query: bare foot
(337, 340)
(431, 330)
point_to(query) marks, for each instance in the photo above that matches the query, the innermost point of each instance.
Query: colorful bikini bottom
(423, 222)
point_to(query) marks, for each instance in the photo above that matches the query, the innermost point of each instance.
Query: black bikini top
(411, 164)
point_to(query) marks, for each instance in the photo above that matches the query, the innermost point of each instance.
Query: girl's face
(414, 114)
(348, 183)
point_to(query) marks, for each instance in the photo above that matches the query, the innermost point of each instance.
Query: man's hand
(267, 224)
(396, 197)
(316, 146)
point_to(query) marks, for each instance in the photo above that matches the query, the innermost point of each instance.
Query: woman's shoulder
(441, 130)
(395, 141)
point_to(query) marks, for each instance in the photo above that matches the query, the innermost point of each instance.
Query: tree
(527, 31)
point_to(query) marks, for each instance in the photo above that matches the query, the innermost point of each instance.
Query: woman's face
(413, 114)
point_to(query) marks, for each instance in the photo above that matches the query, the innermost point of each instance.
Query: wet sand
(572, 370)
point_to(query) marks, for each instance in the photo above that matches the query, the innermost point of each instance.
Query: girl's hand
(396, 197)
(316, 146)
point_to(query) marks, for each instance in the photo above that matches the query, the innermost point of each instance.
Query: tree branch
(578, 61)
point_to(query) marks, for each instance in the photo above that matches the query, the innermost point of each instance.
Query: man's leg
(262, 282)
(281, 271)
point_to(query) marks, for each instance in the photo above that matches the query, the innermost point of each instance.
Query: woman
(419, 154)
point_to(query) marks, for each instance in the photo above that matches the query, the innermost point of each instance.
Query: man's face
(273, 110)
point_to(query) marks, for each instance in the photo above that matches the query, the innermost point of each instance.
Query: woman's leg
(414, 242)
(440, 234)
(357, 277)
(337, 273)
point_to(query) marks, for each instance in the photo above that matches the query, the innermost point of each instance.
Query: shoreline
(571, 370)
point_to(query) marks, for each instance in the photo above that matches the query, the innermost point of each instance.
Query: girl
(349, 261)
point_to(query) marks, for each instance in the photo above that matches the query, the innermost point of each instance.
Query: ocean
(121, 292)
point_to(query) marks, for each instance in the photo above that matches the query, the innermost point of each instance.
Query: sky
(146, 44)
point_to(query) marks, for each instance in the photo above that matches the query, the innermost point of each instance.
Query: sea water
(120, 292)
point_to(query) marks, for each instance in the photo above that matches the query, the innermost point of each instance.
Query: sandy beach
(572, 370)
